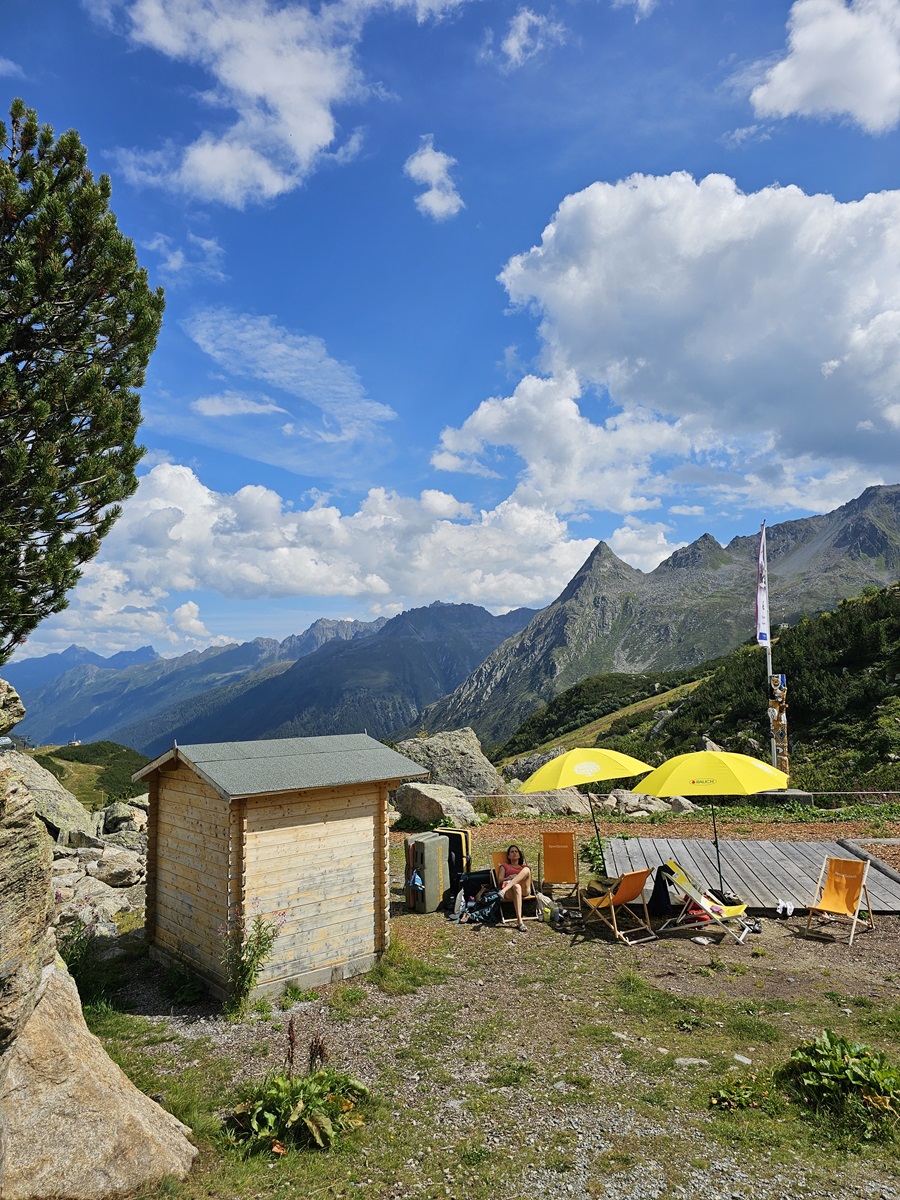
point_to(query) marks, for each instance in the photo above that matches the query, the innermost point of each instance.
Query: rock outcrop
(427, 803)
(76, 1125)
(71, 1123)
(54, 804)
(455, 760)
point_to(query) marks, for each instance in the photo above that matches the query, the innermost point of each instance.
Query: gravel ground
(582, 1122)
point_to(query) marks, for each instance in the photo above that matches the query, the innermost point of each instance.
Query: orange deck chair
(613, 907)
(558, 866)
(840, 892)
(497, 857)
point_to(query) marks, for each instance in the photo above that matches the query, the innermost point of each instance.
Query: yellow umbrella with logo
(712, 773)
(583, 766)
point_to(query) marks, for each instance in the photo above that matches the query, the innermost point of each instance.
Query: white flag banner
(762, 593)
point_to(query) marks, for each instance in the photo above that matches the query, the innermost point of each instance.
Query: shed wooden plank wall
(321, 857)
(193, 866)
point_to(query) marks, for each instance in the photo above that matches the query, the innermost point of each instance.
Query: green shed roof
(290, 764)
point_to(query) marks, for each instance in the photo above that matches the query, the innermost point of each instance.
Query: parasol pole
(716, 844)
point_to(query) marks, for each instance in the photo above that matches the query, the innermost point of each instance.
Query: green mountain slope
(696, 605)
(843, 672)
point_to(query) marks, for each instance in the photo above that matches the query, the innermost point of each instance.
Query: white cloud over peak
(641, 543)
(176, 535)
(431, 169)
(714, 310)
(278, 70)
(843, 59)
(571, 462)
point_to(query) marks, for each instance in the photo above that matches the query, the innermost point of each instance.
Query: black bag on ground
(660, 902)
(484, 911)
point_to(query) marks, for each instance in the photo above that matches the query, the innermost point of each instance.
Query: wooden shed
(292, 825)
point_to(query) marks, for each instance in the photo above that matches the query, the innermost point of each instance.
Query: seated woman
(514, 881)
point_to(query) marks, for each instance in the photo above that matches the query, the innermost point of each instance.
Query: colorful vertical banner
(762, 593)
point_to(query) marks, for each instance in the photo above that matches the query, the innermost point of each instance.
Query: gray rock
(26, 906)
(106, 901)
(691, 1062)
(119, 868)
(58, 809)
(118, 816)
(12, 710)
(429, 802)
(682, 804)
(559, 803)
(128, 840)
(709, 744)
(454, 759)
(79, 838)
(76, 1125)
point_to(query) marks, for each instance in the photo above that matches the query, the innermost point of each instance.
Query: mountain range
(452, 665)
(338, 676)
(696, 605)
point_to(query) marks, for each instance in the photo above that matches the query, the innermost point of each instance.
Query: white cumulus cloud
(431, 168)
(843, 59)
(713, 311)
(278, 72)
(177, 536)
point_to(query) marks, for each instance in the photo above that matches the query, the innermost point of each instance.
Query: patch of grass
(345, 1000)
(637, 997)
(512, 1074)
(474, 1156)
(601, 1034)
(399, 972)
(293, 994)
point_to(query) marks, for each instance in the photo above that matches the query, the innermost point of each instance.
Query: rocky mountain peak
(704, 552)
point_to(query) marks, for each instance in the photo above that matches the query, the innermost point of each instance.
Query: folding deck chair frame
(839, 894)
(612, 908)
(700, 909)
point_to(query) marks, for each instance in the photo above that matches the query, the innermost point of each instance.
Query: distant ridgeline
(695, 606)
(843, 672)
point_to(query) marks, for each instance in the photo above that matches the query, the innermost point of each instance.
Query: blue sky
(456, 289)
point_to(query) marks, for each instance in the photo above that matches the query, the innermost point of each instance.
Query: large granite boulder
(563, 802)
(71, 1123)
(76, 1125)
(455, 760)
(12, 710)
(26, 907)
(427, 803)
(57, 807)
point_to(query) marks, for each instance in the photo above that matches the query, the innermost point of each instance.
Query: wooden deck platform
(762, 873)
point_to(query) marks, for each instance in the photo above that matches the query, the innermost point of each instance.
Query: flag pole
(776, 685)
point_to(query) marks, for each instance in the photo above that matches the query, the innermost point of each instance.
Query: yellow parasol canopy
(711, 773)
(583, 766)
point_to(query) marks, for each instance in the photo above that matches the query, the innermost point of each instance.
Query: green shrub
(303, 1112)
(846, 1082)
(245, 948)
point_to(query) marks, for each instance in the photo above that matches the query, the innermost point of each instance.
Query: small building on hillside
(291, 825)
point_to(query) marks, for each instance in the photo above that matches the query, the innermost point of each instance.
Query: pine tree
(78, 323)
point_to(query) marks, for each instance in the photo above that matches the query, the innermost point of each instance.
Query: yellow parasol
(583, 766)
(712, 773)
